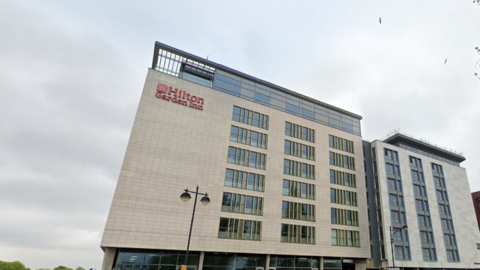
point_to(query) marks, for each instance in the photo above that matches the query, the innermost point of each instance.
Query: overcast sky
(71, 75)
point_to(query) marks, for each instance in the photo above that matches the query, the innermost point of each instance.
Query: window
(341, 144)
(298, 189)
(239, 229)
(244, 180)
(250, 117)
(297, 234)
(417, 190)
(388, 154)
(248, 137)
(413, 162)
(399, 253)
(389, 169)
(238, 203)
(295, 168)
(345, 238)
(415, 176)
(395, 217)
(393, 200)
(299, 132)
(299, 211)
(421, 221)
(391, 184)
(343, 161)
(299, 150)
(419, 205)
(344, 217)
(448, 239)
(426, 254)
(424, 237)
(343, 197)
(246, 158)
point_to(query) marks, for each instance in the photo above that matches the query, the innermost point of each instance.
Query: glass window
(293, 109)
(308, 114)
(262, 99)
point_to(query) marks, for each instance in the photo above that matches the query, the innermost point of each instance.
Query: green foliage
(79, 268)
(61, 267)
(12, 265)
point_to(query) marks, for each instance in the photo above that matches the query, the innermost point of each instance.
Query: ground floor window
(231, 261)
(294, 262)
(161, 260)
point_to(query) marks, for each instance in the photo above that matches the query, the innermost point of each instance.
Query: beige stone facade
(173, 147)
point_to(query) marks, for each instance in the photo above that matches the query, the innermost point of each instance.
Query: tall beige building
(270, 159)
(285, 177)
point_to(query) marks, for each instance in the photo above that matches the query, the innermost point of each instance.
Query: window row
(341, 144)
(447, 224)
(301, 211)
(248, 137)
(298, 189)
(344, 217)
(343, 161)
(439, 182)
(300, 169)
(394, 185)
(422, 205)
(246, 158)
(250, 117)
(343, 197)
(345, 238)
(343, 178)
(238, 203)
(452, 256)
(450, 239)
(244, 180)
(299, 150)
(239, 229)
(297, 234)
(427, 237)
(299, 132)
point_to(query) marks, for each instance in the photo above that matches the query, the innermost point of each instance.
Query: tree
(79, 268)
(61, 267)
(16, 265)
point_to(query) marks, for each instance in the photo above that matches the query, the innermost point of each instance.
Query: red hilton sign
(178, 96)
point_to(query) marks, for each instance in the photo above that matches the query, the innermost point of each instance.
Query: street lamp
(186, 197)
(392, 241)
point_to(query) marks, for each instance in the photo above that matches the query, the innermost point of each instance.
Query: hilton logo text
(179, 96)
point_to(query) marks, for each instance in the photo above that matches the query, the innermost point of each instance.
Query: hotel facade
(285, 175)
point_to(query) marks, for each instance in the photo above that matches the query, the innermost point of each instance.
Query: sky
(71, 75)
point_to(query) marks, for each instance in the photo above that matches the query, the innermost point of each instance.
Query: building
(476, 205)
(421, 187)
(269, 158)
(283, 173)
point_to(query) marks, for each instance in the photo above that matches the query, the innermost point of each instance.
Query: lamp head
(185, 196)
(205, 200)
(405, 227)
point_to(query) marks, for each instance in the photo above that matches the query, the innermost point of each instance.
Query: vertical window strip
(343, 197)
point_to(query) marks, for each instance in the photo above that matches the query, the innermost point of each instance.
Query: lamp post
(186, 197)
(392, 241)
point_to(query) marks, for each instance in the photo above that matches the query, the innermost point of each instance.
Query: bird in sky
(380, 20)
(445, 61)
